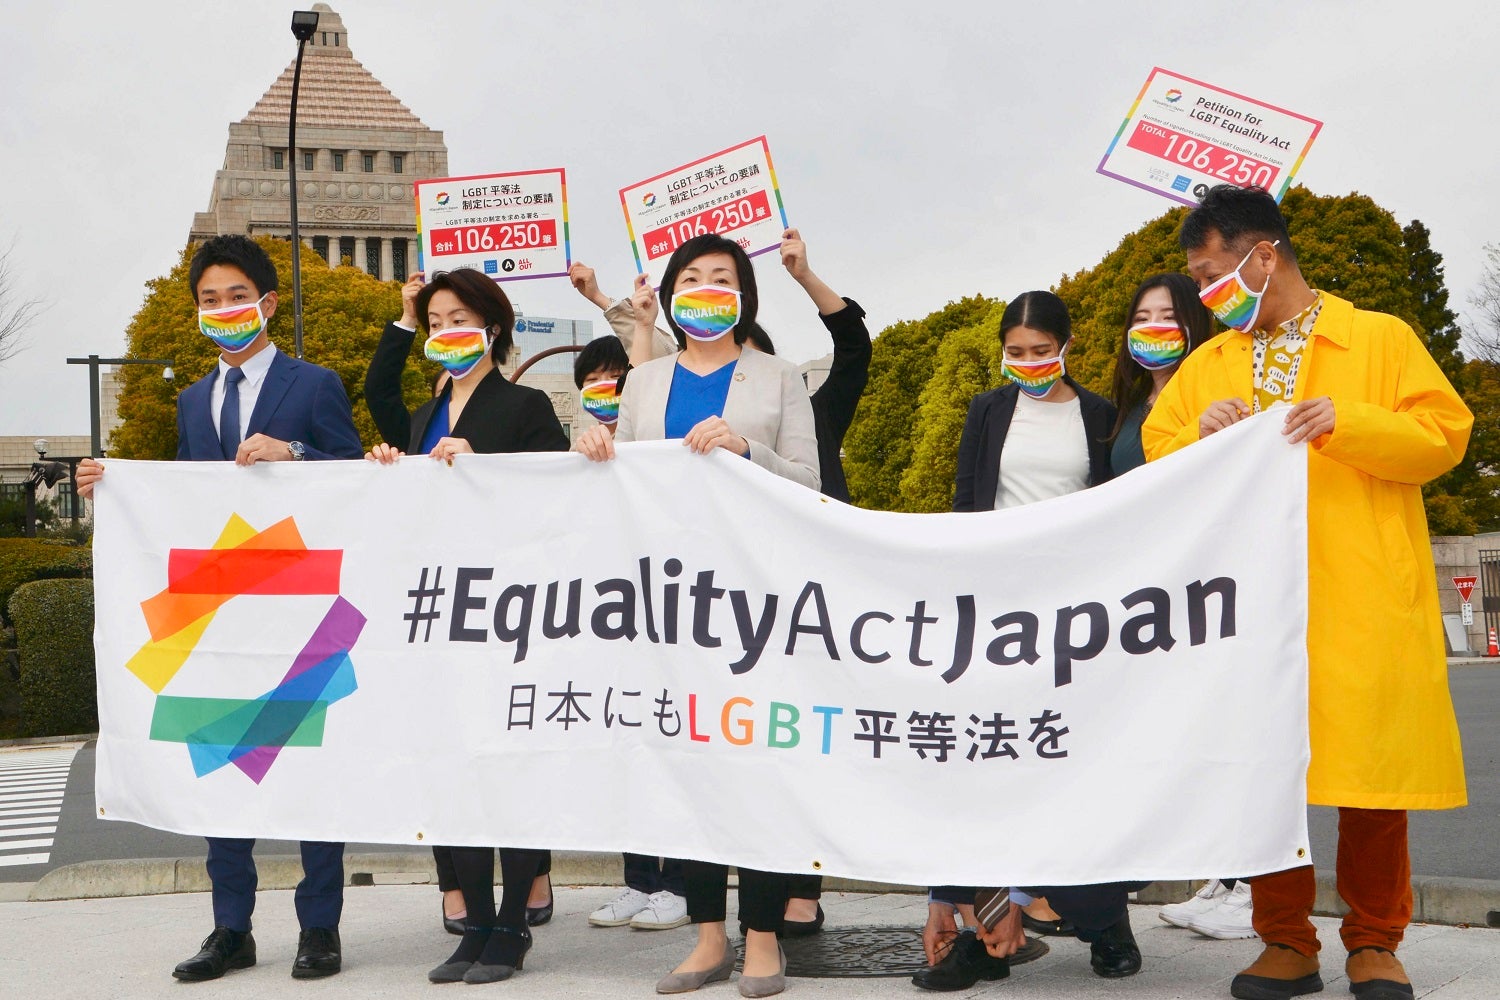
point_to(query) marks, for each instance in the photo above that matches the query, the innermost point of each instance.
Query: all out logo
(1174, 95)
(246, 565)
(442, 196)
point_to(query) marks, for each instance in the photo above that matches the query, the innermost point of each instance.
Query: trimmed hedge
(55, 636)
(23, 560)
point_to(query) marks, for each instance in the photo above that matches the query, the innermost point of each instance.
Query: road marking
(32, 783)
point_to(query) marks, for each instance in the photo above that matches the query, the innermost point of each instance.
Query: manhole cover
(852, 953)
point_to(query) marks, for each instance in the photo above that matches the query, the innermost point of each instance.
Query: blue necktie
(229, 414)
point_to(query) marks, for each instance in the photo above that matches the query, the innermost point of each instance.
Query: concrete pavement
(125, 948)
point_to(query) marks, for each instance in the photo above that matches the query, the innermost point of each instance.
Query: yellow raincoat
(1380, 713)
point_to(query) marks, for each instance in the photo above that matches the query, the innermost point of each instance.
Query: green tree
(344, 311)
(967, 364)
(878, 447)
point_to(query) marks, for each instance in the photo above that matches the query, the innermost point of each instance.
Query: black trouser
(1090, 908)
(649, 875)
(448, 878)
(804, 886)
(762, 895)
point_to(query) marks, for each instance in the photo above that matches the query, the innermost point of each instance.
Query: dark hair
(1132, 382)
(761, 340)
(234, 251)
(1242, 217)
(481, 295)
(1037, 311)
(700, 246)
(602, 354)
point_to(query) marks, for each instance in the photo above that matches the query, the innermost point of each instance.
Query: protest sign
(733, 193)
(547, 654)
(509, 226)
(1183, 136)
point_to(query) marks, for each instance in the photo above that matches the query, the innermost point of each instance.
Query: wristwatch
(297, 450)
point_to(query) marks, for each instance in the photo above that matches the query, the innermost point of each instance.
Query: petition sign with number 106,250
(732, 192)
(509, 226)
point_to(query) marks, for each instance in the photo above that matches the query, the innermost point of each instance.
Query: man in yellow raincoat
(1379, 420)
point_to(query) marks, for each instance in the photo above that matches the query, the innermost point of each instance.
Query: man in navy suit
(257, 405)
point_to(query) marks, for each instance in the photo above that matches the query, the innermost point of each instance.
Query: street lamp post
(304, 23)
(96, 446)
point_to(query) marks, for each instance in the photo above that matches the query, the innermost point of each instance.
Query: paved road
(1460, 842)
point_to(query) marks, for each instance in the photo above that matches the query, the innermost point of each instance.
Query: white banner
(679, 655)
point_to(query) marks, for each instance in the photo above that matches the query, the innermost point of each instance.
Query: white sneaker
(1230, 919)
(1205, 899)
(665, 911)
(619, 911)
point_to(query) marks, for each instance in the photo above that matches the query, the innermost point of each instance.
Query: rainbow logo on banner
(234, 328)
(706, 312)
(249, 733)
(1157, 345)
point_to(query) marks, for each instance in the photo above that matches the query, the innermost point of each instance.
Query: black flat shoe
(966, 963)
(319, 953)
(504, 955)
(1114, 954)
(803, 928)
(221, 951)
(536, 916)
(1052, 928)
(453, 925)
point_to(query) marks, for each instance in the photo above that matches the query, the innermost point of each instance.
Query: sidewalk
(125, 948)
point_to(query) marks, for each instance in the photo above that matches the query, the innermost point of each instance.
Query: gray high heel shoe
(687, 982)
(765, 986)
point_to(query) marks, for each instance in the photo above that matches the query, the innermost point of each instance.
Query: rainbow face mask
(233, 328)
(1232, 301)
(707, 312)
(1155, 346)
(1035, 378)
(458, 348)
(602, 400)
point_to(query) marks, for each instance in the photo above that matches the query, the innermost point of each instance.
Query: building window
(69, 504)
(346, 251)
(320, 244)
(398, 163)
(335, 39)
(398, 259)
(369, 163)
(338, 161)
(278, 160)
(307, 161)
(372, 257)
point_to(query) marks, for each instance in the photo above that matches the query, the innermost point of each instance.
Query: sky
(925, 151)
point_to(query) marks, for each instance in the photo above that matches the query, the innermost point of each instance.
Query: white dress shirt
(255, 370)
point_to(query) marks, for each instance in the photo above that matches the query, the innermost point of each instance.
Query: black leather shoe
(319, 953)
(803, 928)
(222, 950)
(1051, 928)
(966, 963)
(536, 916)
(453, 925)
(1114, 953)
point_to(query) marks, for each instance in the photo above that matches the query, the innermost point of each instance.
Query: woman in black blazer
(469, 321)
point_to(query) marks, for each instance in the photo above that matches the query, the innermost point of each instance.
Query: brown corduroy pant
(1374, 879)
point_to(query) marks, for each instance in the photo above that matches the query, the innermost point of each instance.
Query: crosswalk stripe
(24, 797)
(9, 860)
(16, 845)
(23, 831)
(17, 827)
(33, 786)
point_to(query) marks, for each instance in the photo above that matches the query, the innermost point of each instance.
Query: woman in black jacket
(469, 322)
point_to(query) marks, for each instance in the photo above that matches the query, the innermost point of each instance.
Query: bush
(55, 636)
(23, 560)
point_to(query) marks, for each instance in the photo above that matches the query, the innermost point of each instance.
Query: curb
(35, 741)
(1463, 902)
